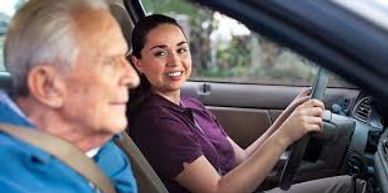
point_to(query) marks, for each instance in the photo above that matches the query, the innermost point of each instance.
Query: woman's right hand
(306, 118)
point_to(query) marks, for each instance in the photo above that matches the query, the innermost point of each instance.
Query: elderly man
(70, 80)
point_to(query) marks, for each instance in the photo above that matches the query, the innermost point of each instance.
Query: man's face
(97, 85)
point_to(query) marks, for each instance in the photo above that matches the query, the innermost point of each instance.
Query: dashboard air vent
(363, 109)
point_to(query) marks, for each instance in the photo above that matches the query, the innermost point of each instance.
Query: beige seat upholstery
(147, 179)
(120, 13)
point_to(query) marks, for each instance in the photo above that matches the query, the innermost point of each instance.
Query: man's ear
(136, 62)
(46, 84)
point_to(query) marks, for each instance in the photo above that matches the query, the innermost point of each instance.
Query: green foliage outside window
(245, 58)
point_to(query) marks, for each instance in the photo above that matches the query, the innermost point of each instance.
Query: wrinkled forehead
(97, 29)
(92, 23)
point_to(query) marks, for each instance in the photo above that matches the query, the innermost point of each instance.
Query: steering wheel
(298, 148)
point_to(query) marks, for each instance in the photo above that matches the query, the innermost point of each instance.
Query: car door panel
(247, 110)
(244, 125)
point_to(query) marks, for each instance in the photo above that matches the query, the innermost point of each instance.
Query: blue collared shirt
(25, 168)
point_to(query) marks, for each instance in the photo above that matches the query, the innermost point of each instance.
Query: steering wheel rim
(298, 148)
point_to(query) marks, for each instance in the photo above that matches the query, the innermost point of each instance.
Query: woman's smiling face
(165, 59)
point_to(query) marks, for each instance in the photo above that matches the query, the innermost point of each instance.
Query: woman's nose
(173, 59)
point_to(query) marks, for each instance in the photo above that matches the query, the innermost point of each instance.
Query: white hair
(43, 32)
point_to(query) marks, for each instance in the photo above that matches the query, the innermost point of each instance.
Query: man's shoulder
(18, 156)
(24, 168)
(9, 146)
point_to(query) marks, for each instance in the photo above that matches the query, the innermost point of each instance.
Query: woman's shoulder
(192, 102)
(153, 104)
(156, 109)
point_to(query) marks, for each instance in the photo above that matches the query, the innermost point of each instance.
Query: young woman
(183, 141)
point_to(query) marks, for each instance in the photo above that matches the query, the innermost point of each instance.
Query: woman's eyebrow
(181, 43)
(158, 46)
(165, 46)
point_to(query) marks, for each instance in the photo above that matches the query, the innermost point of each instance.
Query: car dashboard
(381, 162)
(367, 153)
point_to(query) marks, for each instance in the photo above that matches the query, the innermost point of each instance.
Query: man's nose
(131, 78)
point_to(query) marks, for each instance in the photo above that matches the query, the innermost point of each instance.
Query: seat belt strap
(63, 151)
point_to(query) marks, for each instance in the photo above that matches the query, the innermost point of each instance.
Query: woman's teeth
(174, 74)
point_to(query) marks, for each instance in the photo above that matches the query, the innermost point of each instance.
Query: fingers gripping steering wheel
(298, 148)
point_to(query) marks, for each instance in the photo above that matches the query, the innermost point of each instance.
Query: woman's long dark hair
(142, 28)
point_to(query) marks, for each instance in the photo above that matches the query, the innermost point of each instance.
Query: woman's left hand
(305, 118)
(302, 97)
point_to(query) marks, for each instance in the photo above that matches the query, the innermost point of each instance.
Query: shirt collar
(187, 103)
(16, 115)
(5, 98)
(93, 152)
(11, 114)
(166, 103)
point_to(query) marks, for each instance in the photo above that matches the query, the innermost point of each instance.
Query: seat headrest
(121, 15)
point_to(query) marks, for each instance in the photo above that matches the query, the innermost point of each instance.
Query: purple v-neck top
(170, 135)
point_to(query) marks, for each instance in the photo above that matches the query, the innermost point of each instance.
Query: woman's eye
(160, 53)
(182, 50)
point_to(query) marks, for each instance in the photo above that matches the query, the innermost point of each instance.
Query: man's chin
(118, 127)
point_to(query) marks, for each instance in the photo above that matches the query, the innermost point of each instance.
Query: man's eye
(109, 62)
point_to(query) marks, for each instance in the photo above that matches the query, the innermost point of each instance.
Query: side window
(225, 50)
(7, 9)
